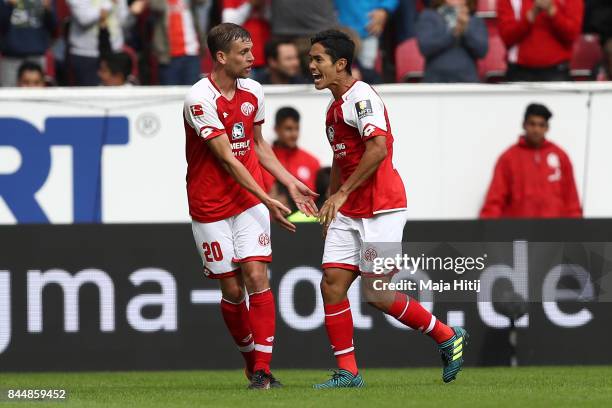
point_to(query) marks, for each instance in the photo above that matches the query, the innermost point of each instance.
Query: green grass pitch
(523, 387)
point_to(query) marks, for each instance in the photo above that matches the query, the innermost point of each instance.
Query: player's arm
(301, 195)
(375, 153)
(222, 150)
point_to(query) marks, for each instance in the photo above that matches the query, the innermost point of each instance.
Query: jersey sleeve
(201, 114)
(260, 116)
(369, 115)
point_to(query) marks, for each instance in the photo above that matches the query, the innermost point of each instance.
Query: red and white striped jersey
(182, 35)
(212, 193)
(356, 117)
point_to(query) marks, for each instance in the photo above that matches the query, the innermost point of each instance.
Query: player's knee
(327, 283)
(233, 293)
(330, 288)
(256, 279)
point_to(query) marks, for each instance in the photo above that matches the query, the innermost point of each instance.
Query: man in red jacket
(539, 35)
(534, 178)
(298, 162)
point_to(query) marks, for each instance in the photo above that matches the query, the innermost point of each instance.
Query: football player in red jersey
(365, 214)
(229, 208)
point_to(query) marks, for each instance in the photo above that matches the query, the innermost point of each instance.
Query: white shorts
(225, 244)
(360, 244)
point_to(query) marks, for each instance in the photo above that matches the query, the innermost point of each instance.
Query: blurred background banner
(133, 296)
(117, 155)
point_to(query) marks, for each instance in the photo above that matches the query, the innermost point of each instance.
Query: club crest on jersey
(264, 239)
(247, 108)
(364, 108)
(370, 254)
(330, 133)
(238, 131)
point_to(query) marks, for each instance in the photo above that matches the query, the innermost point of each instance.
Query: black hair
(30, 66)
(221, 36)
(286, 112)
(337, 45)
(271, 48)
(537, 109)
(118, 63)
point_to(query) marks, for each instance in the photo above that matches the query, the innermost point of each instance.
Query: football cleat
(274, 383)
(451, 352)
(260, 380)
(342, 379)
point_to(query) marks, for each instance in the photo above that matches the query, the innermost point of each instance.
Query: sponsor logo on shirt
(364, 108)
(196, 110)
(247, 108)
(339, 150)
(238, 131)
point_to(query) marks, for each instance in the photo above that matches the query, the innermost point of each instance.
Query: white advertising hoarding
(119, 153)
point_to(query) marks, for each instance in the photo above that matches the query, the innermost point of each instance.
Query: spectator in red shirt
(539, 35)
(534, 178)
(298, 162)
(254, 16)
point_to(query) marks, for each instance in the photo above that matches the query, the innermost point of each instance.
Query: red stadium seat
(586, 54)
(492, 68)
(409, 63)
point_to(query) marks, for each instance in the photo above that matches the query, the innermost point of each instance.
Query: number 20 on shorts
(212, 251)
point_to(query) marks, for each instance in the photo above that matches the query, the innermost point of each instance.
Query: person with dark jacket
(539, 35)
(601, 23)
(25, 31)
(534, 178)
(283, 65)
(298, 20)
(452, 39)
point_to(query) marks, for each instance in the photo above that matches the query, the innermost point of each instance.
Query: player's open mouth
(317, 77)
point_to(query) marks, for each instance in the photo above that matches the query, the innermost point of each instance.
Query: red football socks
(262, 318)
(236, 317)
(339, 325)
(412, 314)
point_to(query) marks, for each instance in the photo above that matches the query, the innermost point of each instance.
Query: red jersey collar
(349, 88)
(218, 89)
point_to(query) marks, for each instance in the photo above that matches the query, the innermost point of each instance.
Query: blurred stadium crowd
(151, 42)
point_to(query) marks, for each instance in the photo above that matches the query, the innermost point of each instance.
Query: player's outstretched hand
(278, 212)
(330, 209)
(303, 197)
